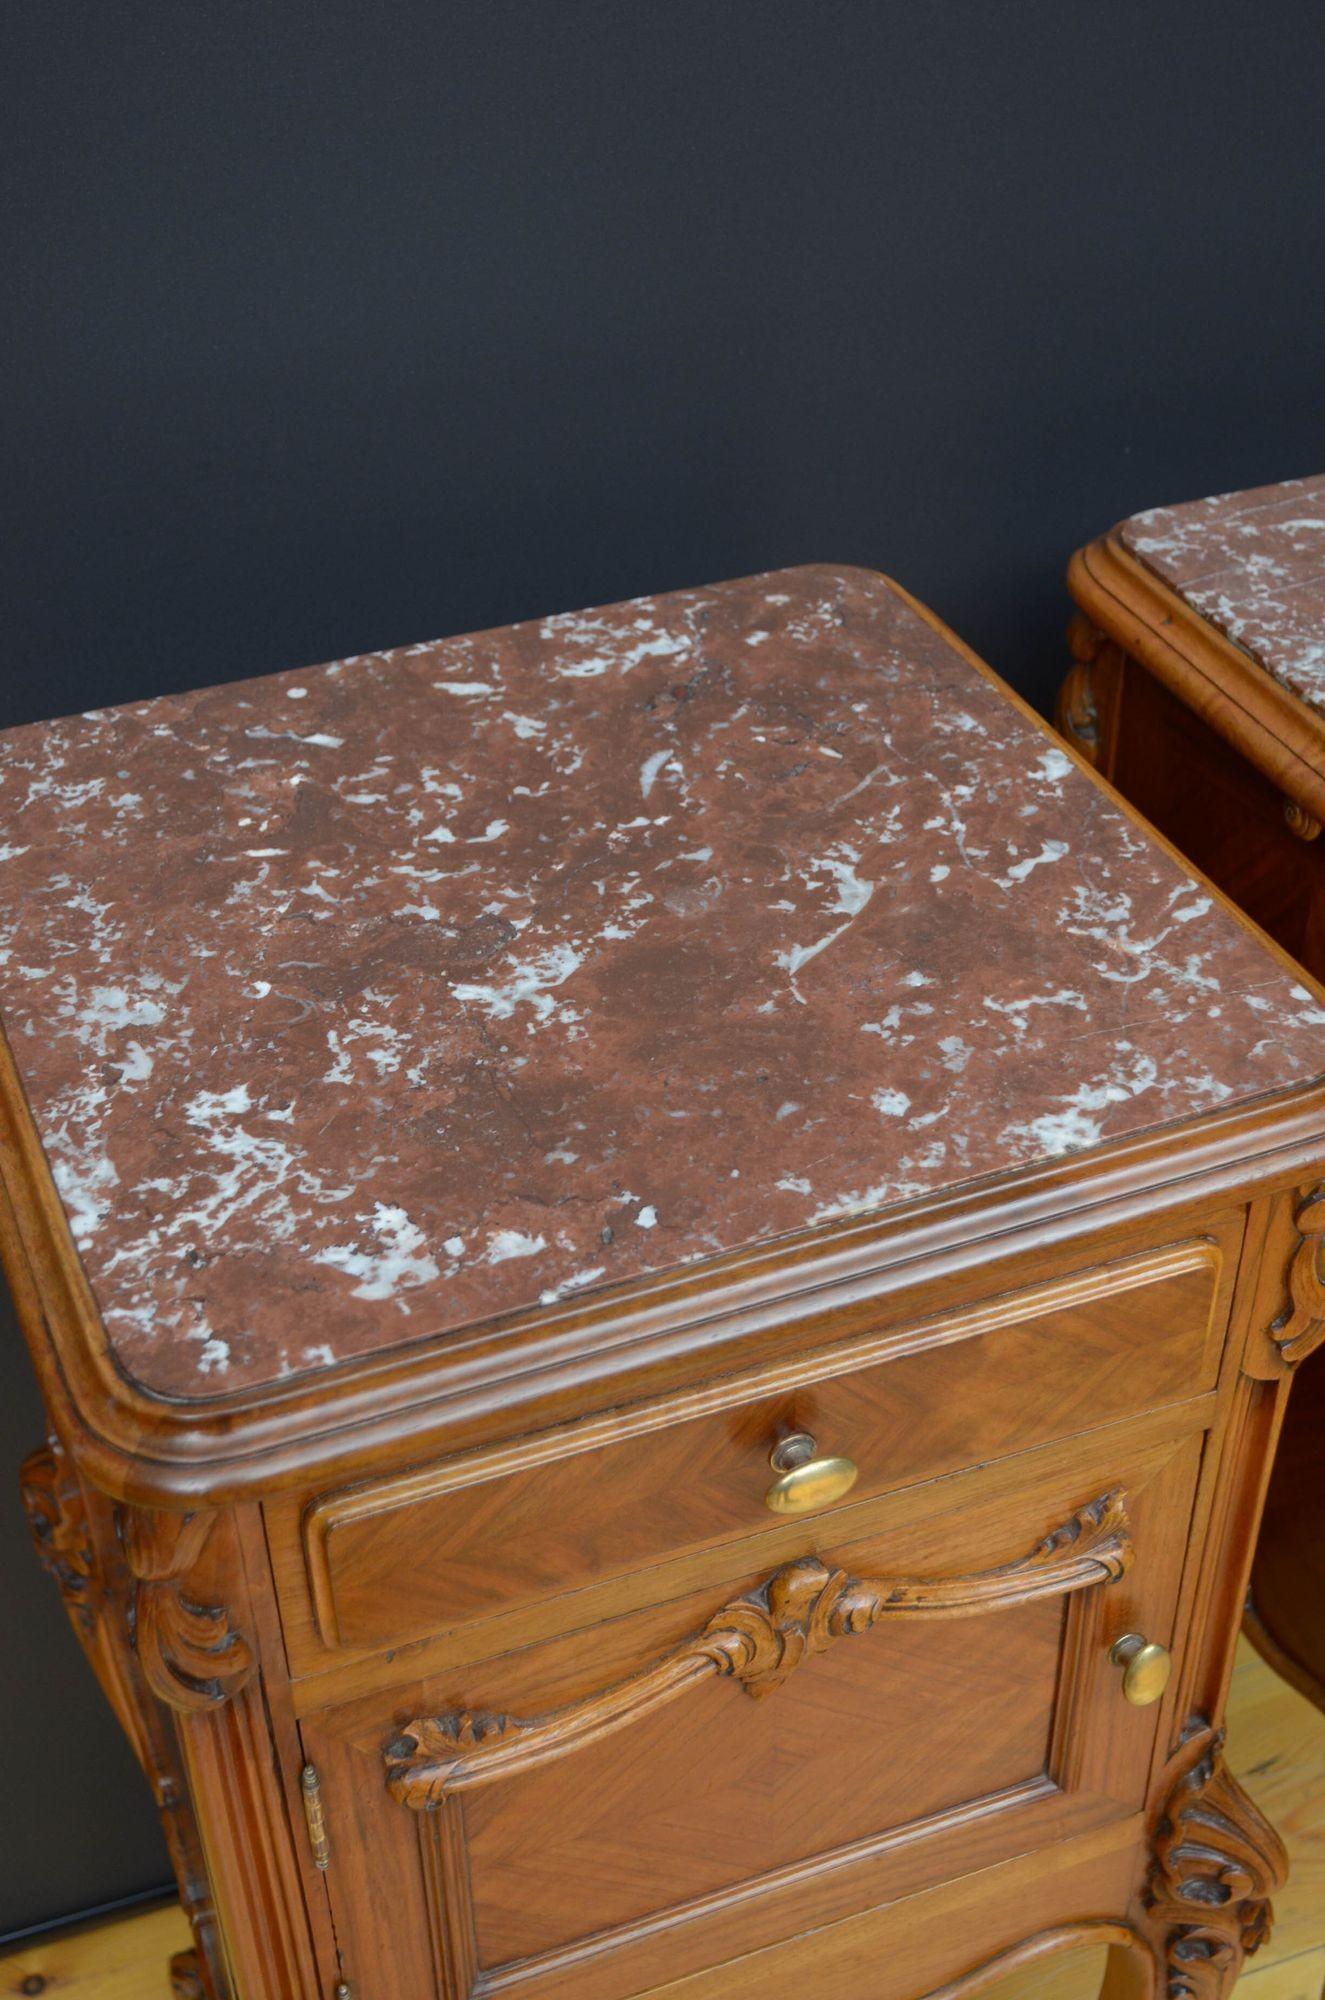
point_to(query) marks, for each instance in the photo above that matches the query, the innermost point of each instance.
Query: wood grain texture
(758, 1641)
(127, 1958)
(467, 1538)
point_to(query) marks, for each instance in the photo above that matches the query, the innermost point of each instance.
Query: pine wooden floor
(1277, 1748)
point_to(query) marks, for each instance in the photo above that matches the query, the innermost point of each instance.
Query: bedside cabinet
(665, 1254)
(1199, 688)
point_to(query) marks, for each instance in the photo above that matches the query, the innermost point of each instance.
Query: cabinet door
(594, 1816)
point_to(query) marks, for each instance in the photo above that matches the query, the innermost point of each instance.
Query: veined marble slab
(361, 1004)
(1253, 564)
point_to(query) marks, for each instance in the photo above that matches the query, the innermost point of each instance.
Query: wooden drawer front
(431, 1551)
(623, 1806)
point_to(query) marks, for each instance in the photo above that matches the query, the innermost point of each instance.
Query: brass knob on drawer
(805, 1481)
(1146, 1668)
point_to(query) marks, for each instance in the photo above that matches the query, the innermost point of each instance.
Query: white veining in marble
(1253, 564)
(364, 1003)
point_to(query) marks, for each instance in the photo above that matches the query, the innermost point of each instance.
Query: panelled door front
(606, 1811)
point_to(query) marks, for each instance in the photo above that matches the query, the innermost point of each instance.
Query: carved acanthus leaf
(190, 1654)
(186, 1977)
(58, 1521)
(1299, 821)
(758, 1640)
(1076, 714)
(1217, 1862)
(1300, 1328)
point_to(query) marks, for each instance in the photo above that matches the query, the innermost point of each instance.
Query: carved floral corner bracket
(190, 1654)
(186, 1978)
(1217, 1863)
(58, 1522)
(757, 1640)
(1076, 714)
(1300, 1328)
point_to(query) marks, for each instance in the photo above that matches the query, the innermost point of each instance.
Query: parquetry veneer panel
(442, 1546)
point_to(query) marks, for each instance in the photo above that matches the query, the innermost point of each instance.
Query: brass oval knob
(805, 1481)
(1146, 1668)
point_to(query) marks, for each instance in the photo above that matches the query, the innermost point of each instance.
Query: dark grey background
(334, 326)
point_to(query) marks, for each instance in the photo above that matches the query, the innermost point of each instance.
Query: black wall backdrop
(335, 326)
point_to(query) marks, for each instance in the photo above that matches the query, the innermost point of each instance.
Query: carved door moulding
(758, 1640)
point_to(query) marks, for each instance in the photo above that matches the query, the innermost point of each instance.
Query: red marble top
(360, 1004)
(1253, 564)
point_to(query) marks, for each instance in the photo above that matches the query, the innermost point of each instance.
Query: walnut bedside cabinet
(665, 1253)
(1199, 689)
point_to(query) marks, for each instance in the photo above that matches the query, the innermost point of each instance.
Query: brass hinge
(310, 1788)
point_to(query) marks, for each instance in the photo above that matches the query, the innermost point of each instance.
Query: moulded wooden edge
(625, 1341)
(1208, 672)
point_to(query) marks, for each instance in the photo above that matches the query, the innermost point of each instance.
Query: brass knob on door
(805, 1481)
(1146, 1668)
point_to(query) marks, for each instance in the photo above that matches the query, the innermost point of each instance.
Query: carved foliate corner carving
(186, 1980)
(1300, 1328)
(757, 1640)
(58, 1521)
(1217, 1863)
(190, 1654)
(1076, 715)
(1299, 821)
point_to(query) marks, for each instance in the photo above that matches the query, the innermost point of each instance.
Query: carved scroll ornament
(190, 1654)
(186, 1977)
(1300, 1328)
(757, 1640)
(58, 1521)
(1076, 715)
(1217, 1862)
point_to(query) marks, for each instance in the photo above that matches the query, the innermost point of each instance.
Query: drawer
(792, 1745)
(469, 1538)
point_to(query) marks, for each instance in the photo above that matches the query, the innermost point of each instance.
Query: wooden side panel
(464, 1540)
(1223, 814)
